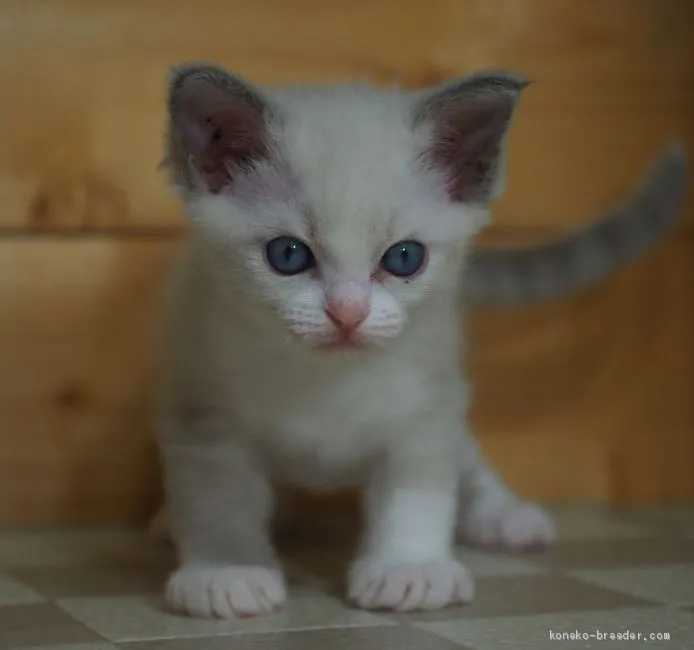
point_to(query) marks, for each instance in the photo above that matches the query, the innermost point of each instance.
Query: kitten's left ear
(469, 120)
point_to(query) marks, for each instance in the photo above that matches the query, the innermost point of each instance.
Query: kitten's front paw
(376, 584)
(225, 591)
(511, 525)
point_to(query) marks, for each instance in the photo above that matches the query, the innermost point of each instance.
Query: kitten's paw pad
(225, 591)
(514, 525)
(375, 584)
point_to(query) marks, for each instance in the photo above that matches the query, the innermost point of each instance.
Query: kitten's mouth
(341, 343)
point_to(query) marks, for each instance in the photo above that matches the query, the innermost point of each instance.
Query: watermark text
(604, 635)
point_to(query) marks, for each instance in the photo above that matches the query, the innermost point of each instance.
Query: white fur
(407, 586)
(231, 592)
(250, 396)
(407, 563)
(507, 525)
(413, 525)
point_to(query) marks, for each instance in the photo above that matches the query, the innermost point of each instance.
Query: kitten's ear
(217, 127)
(469, 119)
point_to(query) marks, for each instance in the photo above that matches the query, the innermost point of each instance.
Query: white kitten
(314, 332)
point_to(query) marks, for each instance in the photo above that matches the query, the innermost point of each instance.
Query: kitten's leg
(491, 515)
(406, 561)
(159, 528)
(219, 503)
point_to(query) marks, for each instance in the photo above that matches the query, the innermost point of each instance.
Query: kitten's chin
(339, 344)
(342, 345)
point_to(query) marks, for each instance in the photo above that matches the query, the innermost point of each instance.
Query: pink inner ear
(467, 145)
(223, 134)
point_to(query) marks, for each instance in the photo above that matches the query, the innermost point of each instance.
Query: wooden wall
(588, 398)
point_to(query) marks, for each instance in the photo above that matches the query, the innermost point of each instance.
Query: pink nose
(347, 315)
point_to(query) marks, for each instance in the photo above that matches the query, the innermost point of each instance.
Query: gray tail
(575, 261)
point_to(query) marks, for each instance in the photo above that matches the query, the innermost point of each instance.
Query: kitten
(313, 331)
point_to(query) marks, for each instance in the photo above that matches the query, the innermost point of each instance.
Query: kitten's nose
(347, 315)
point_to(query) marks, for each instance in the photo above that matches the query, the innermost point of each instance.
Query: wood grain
(594, 394)
(82, 132)
(589, 398)
(75, 348)
(585, 399)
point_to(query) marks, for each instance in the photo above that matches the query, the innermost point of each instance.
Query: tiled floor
(612, 573)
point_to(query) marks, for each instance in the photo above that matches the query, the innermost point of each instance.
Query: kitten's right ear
(468, 121)
(217, 127)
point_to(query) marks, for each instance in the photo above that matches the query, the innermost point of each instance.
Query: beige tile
(327, 568)
(669, 520)
(79, 646)
(14, 592)
(373, 638)
(41, 624)
(79, 546)
(671, 585)
(142, 618)
(484, 564)
(577, 522)
(65, 582)
(528, 595)
(599, 554)
(533, 632)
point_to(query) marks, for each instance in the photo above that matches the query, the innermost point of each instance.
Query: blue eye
(404, 258)
(289, 256)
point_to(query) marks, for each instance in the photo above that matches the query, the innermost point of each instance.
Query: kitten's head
(339, 208)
